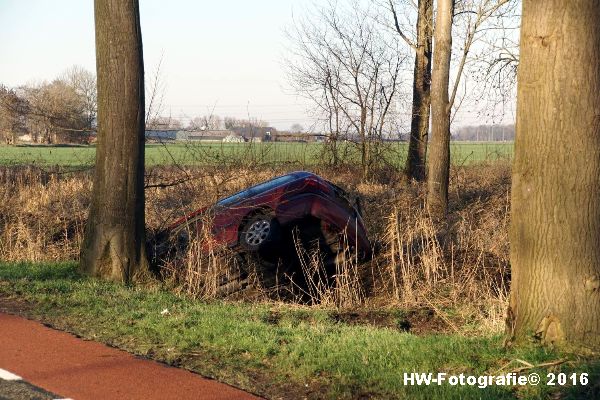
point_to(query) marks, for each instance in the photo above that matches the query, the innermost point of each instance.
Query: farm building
(202, 135)
(293, 137)
(223, 135)
(255, 133)
(233, 139)
(165, 134)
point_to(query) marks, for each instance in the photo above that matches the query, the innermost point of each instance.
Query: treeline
(63, 110)
(205, 122)
(485, 133)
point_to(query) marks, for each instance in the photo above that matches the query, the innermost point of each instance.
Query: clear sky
(223, 53)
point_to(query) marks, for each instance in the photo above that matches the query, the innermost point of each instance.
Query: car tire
(260, 232)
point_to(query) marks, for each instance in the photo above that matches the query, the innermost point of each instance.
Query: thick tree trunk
(114, 245)
(555, 228)
(419, 127)
(439, 154)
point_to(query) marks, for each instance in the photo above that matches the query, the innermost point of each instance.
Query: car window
(254, 190)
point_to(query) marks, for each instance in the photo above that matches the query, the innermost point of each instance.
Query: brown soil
(417, 321)
(14, 306)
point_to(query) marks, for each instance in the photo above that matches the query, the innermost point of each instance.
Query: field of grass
(303, 154)
(275, 350)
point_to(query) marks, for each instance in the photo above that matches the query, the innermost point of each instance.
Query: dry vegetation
(459, 273)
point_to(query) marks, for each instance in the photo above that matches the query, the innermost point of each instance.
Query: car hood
(182, 220)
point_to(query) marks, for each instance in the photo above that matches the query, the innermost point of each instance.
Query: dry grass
(461, 271)
(463, 266)
(41, 214)
(199, 266)
(338, 285)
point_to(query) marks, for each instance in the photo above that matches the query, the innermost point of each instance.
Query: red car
(258, 219)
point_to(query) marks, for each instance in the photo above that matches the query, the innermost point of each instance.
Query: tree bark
(419, 127)
(555, 215)
(439, 154)
(114, 243)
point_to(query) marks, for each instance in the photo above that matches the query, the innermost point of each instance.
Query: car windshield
(254, 190)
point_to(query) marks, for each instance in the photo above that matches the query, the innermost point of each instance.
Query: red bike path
(78, 369)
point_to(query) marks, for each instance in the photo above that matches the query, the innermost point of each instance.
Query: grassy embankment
(278, 351)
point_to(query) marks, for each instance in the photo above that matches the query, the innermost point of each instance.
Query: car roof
(250, 191)
(232, 197)
(300, 174)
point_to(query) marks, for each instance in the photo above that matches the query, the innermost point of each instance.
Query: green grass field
(304, 154)
(275, 350)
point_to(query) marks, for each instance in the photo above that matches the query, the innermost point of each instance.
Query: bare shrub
(463, 266)
(338, 285)
(201, 267)
(415, 255)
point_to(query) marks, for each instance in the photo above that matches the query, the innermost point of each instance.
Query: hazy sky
(223, 53)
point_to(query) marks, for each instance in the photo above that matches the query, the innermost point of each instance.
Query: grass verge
(274, 350)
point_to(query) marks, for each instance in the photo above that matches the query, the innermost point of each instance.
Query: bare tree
(84, 84)
(493, 66)
(296, 128)
(63, 110)
(439, 160)
(349, 69)
(476, 13)
(421, 100)
(13, 111)
(165, 123)
(56, 112)
(208, 122)
(114, 245)
(479, 19)
(555, 224)
(155, 92)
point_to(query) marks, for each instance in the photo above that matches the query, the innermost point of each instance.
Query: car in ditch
(265, 219)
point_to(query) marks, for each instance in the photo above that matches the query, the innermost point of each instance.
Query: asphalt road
(18, 389)
(57, 365)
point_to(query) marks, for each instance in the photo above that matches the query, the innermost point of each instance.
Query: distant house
(222, 135)
(165, 134)
(321, 137)
(255, 133)
(233, 139)
(293, 137)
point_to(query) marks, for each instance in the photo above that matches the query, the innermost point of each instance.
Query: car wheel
(260, 232)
